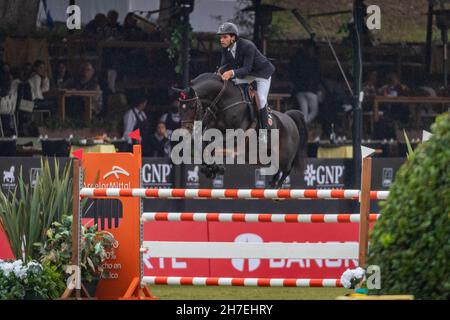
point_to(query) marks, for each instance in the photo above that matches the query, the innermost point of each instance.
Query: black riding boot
(265, 122)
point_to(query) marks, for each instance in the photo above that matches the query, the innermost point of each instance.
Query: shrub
(411, 243)
(29, 281)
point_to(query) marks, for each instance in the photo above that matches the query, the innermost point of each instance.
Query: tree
(18, 17)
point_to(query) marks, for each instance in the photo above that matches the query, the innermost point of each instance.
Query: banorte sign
(118, 170)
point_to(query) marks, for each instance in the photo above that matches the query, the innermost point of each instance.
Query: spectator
(337, 98)
(134, 119)
(370, 90)
(393, 87)
(61, 77)
(25, 104)
(40, 84)
(5, 90)
(131, 31)
(39, 81)
(87, 80)
(159, 142)
(305, 75)
(97, 27)
(113, 28)
(172, 120)
(26, 71)
(5, 79)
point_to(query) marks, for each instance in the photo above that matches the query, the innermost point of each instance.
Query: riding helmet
(228, 28)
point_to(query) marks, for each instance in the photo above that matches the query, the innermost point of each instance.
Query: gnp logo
(324, 176)
(253, 264)
(116, 170)
(157, 174)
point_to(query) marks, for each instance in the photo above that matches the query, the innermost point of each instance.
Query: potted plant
(57, 250)
(95, 247)
(29, 281)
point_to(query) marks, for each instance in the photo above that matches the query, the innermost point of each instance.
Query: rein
(211, 110)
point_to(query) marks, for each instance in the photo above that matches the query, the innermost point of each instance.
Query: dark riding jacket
(248, 61)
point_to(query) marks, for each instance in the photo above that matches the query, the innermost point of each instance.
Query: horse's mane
(205, 77)
(207, 82)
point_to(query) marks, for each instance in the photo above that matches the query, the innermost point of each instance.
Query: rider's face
(226, 40)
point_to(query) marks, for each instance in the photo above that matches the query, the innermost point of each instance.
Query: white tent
(207, 15)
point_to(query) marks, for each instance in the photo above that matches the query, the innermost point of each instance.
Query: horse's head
(190, 107)
(199, 95)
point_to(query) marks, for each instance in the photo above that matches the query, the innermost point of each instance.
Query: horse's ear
(184, 93)
(178, 90)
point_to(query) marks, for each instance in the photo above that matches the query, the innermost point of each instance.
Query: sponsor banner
(10, 169)
(191, 177)
(157, 173)
(325, 175)
(160, 173)
(383, 172)
(175, 231)
(249, 232)
(318, 174)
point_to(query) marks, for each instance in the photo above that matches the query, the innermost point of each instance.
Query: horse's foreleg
(281, 180)
(273, 182)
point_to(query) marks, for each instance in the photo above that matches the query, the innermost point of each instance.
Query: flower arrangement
(29, 281)
(352, 277)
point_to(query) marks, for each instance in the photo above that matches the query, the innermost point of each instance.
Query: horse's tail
(300, 156)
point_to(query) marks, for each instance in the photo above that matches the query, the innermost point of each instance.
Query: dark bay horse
(221, 105)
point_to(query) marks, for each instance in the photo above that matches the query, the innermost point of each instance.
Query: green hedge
(411, 242)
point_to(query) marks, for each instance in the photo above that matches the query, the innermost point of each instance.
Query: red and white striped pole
(240, 282)
(230, 193)
(254, 217)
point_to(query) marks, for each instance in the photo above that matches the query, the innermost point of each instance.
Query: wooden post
(364, 209)
(76, 234)
(76, 221)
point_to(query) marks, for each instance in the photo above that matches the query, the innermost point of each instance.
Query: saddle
(249, 95)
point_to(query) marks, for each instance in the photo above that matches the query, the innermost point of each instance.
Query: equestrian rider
(244, 63)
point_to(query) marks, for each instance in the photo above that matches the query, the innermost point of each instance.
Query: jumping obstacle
(254, 217)
(242, 282)
(97, 182)
(271, 194)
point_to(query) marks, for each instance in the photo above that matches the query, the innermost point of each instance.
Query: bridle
(212, 110)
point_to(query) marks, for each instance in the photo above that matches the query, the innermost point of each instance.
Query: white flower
(19, 269)
(17, 263)
(7, 268)
(20, 272)
(34, 267)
